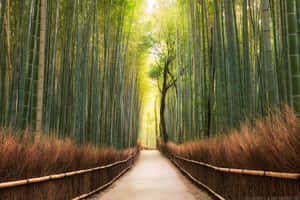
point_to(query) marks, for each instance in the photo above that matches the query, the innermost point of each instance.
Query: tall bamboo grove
(70, 64)
(241, 60)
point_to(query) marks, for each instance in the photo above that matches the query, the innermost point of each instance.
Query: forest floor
(153, 177)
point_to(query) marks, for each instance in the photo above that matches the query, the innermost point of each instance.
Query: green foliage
(234, 62)
(155, 72)
(91, 87)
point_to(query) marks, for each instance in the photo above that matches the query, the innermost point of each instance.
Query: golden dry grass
(24, 158)
(273, 144)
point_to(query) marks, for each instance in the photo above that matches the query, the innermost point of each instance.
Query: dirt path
(152, 178)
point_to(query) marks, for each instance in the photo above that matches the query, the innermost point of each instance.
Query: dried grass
(26, 158)
(272, 144)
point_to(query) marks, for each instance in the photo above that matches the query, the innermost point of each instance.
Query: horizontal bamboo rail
(216, 195)
(58, 176)
(103, 186)
(282, 175)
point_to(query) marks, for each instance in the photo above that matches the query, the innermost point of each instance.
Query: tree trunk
(298, 22)
(6, 70)
(293, 53)
(211, 99)
(41, 67)
(155, 117)
(7, 32)
(233, 64)
(163, 129)
(246, 62)
(270, 83)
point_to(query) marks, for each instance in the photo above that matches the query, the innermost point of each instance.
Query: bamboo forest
(197, 98)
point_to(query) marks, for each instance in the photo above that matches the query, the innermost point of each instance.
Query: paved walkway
(152, 178)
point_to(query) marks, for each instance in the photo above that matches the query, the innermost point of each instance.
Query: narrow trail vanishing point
(152, 178)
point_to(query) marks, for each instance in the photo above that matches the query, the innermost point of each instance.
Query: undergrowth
(27, 158)
(272, 144)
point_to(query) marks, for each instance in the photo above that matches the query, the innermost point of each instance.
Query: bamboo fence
(83, 179)
(284, 175)
(216, 195)
(228, 183)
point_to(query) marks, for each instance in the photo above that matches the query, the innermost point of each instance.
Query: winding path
(152, 178)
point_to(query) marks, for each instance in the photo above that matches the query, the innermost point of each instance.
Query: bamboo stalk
(8, 40)
(294, 53)
(41, 67)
